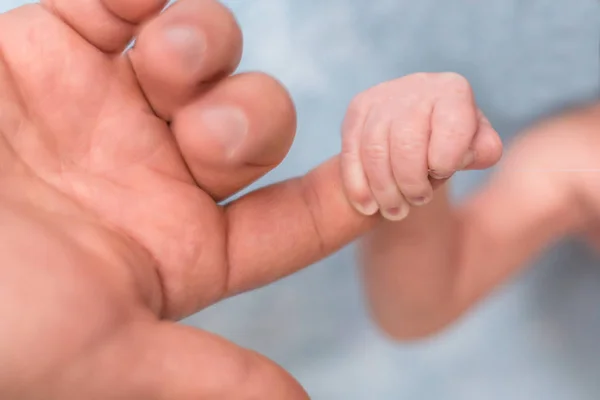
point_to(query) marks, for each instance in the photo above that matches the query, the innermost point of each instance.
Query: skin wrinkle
(118, 17)
(311, 198)
(226, 287)
(22, 107)
(156, 115)
(135, 246)
(157, 268)
(14, 85)
(113, 228)
(54, 12)
(65, 192)
(394, 123)
(50, 146)
(98, 117)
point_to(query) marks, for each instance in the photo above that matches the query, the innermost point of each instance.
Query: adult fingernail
(396, 213)
(467, 159)
(189, 41)
(227, 125)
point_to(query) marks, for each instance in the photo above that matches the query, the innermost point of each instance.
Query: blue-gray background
(536, 337)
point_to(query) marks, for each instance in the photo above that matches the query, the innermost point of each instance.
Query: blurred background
(537, 337)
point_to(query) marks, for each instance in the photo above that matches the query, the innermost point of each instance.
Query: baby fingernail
(396, 213)
(189, 40)
(468, 159)
(227, 125)
(367, 207)
(421, 201)
(438, 175)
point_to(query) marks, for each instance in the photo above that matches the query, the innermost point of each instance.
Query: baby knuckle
(376, 151)
(422, 77)
(357, 105)
(408, 142)
(355, 113)
(349, 155)
(454, 78)
(453, 83)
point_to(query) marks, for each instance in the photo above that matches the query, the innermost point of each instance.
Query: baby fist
(401, 136)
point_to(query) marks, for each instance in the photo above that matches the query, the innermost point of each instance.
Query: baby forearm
(408, 268)
(422, 273)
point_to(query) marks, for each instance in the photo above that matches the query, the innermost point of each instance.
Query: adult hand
(112, 165)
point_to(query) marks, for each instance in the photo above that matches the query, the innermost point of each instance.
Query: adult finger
(231, 136)
(181, 52)
(279, 229)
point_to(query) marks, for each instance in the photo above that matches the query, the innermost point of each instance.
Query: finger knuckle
(408, 142)
(376, 152)
(451, 125)
(454, 79)
(357, 105)
(422, 77)
(354, 115)
(349, 155)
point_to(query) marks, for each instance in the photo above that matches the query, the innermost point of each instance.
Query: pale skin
(404, 137)
(424, 269)
(112, 169)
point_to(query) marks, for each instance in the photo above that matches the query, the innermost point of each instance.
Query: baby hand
(401, 136)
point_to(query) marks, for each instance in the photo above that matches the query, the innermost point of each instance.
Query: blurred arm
(424, 272)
